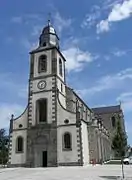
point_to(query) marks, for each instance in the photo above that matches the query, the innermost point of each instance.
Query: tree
(119, 143)
(4, 140)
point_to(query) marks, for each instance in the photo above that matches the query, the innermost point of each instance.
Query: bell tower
(47, 76)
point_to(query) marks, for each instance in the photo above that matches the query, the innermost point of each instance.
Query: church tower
(47, 76)
(52, 131)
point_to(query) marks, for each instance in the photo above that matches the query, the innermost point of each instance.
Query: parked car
(128, 160)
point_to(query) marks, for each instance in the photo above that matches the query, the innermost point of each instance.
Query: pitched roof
(107, 109)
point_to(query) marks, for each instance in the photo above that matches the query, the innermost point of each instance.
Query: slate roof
(107, 109)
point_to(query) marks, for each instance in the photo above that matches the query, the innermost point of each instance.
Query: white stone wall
(61, 82)
(67, 156)
(62, 114)
(39, 94)
(19, 158)
(62, 95)
(85, 144)
(62, 77)
(47, 87)
(21, 120)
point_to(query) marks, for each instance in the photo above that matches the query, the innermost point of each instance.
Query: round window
(66, 121)
(20, 125)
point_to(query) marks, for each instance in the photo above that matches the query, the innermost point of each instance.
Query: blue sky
(95, 37)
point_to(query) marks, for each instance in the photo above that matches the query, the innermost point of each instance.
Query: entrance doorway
(44, 159)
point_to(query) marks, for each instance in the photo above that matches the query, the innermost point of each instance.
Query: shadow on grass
(110, 177)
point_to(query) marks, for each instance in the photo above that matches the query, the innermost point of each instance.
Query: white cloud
(107, 58)
(95, 13)
(61, 23)
(120, 11)
(36, 30)
(91, 18)
(113, 81)
(76, 58)
(103, 26)
(29, 45)
(120, 53)
(5, 113)
(17, 19)
(107, 4)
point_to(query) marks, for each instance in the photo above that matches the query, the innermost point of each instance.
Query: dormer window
(60, 67)
(42, 66)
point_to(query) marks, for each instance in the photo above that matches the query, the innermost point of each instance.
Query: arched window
(44, 44)
(86, 114)
(82, 110)
(19, 144)
(41, 106)
(42, 66)
(61, 88)
(67, 141)
(113, 121)
(60, 67)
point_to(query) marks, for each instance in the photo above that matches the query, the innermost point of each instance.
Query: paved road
(104, 172)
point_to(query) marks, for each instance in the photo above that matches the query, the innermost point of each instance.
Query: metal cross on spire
(49, 19)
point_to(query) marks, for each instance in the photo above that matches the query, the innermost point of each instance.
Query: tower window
(19, 144)
(60, 67)
(42, 110)
(42, 66)
(61, 88)
(32, 66)
(113, 121)
(44, 44)
(67, 141)
(86, 113)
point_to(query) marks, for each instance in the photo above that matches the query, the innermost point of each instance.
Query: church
(57, 128)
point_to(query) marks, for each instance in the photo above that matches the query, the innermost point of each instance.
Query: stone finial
(12, 116)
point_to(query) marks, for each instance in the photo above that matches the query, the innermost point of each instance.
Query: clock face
(41, 84)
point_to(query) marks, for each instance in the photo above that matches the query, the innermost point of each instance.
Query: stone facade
(71, 133)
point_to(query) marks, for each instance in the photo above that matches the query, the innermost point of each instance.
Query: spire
(49, 19)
